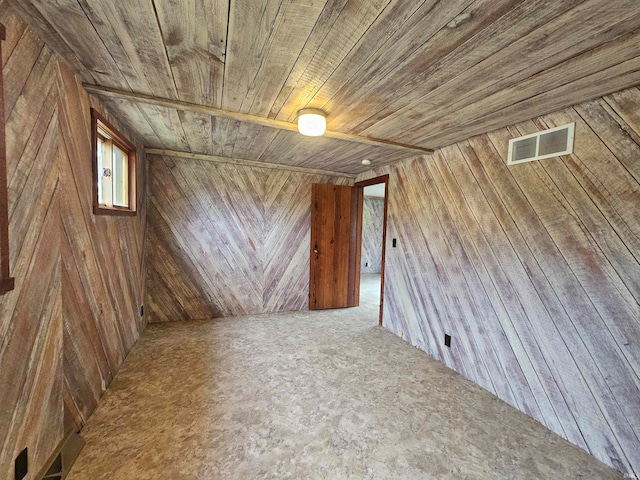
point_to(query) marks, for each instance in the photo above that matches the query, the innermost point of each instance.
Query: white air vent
(548, 143)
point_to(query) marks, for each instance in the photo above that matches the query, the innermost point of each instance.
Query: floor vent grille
(63, 458)
(545, 144)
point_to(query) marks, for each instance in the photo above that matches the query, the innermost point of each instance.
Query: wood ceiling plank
(282, 143)
(195, 37)
(377, 156)
(428, 42)
(66, 26)
(336, 153)
(218, 130)
(330, 14)
(197, 128)
(541, 49)
(401, 45)
(589, 63)
(167, 125)
(393, 19)
(132, 36)
(313, 151)
(611, 80)
(291, 29)
(332, 154)
(245, 46)
(383, 65)
(238, 161)
(243, 147)
(401, 92)
(130, 115)
(229, 137)
(261, 140)
(339, 28)
(335, 157)
(233, 139)
(240, 117)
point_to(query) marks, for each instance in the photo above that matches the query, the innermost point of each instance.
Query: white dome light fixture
(312, 122)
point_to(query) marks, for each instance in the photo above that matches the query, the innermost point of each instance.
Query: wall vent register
(545, 144)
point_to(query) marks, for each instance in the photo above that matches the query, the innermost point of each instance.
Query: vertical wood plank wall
(534, 270)
(372, 225)
(73, 315)
(227, 240)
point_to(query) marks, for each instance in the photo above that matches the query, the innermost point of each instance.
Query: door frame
(360, 195)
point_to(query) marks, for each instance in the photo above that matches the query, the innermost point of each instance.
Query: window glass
(120, 184)
(114, 164)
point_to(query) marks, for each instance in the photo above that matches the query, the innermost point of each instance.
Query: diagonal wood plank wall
(372, 225)
(73, 316)
(226, 240)
(103, 264)
(534, 270)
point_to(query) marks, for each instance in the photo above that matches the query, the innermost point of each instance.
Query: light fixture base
(312, 122)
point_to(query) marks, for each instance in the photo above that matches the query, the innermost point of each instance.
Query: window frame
(99, 122)
(7, 282)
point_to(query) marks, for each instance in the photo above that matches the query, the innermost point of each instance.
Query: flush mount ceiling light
(312, 122)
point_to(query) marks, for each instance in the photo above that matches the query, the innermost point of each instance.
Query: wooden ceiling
(424, 73)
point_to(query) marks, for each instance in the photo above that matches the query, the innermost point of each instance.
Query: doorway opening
(371, 238)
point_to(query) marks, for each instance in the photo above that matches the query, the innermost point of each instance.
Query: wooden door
(333, 281)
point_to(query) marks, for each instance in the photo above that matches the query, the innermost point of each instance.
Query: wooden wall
(73, 315)
(534, 270)
(372, 225)
(226, 240)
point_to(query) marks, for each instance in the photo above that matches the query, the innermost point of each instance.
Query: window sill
(114, 212)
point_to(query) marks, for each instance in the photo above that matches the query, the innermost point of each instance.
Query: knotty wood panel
(226, 240)
(372, 225)
(73, 315)
(533, 269)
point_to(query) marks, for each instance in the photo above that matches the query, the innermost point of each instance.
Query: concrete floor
(314, 395)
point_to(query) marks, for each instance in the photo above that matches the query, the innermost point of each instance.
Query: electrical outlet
(447, 340)
(394, 243)
(22, 465)
(366, 264)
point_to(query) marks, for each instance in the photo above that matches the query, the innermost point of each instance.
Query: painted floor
(309, 395)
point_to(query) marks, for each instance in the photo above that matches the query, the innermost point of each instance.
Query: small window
(114, 173)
